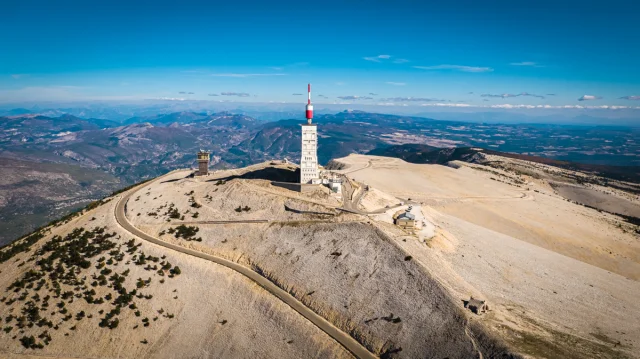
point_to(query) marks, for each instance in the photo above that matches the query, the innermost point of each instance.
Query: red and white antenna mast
(309, 105)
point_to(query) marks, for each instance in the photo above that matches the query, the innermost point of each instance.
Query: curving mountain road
(341, 337)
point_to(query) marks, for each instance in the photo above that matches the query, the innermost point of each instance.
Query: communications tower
(309, 158)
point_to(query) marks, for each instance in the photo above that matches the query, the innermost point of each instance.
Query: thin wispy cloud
(526, 63)
(352, 97)
(507, 106)
(296, 94)
(170, 99)
(456, 68)
(213, 94)
(507, 95)
(504, 95)
(410, 99)
(322, 96)
(445, 105)
(400, 61)
(635, 98)
(19, 76)
(288, 66)
(246, 75)
(373, 94)
(396, 83)
(530, 94)
(589, 98)
(601, 107)
(551, 94)
(378, 58)
(340, 83)
(239, 94)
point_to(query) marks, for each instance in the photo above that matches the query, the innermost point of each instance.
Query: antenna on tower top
(309, 105)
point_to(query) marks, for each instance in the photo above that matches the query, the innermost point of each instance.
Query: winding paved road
(341, 337)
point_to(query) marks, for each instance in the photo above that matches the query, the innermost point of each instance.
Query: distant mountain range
(146, 146)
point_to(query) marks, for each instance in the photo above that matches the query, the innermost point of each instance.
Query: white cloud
(245, 75)
(239, 94)
(526, 63)
(396, 83)
(589, 98)
(400, 61)
(507, 106)
(578, 107)
(456, 67)
(410, 99)
(377, 58)
(505, 95)
(353, 97)
(169, 98)
(445, 105)
(636, 98)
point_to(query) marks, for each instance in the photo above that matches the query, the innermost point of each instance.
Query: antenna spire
(309, 108)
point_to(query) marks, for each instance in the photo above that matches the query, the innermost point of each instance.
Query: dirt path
(341, 337)
(358, 169)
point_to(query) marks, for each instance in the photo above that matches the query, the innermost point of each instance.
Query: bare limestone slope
(205, 311)
(339, 265)
(562, 278)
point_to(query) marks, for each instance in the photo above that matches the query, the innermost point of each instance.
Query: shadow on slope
(269, 173)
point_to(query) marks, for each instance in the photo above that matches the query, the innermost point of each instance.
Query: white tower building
(309, 158)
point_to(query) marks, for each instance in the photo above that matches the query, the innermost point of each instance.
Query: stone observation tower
(203, 163)
(309, 158)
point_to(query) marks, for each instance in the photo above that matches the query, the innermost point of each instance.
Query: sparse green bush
(185, 232)
(176, 270)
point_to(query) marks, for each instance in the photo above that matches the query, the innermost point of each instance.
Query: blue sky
(418, 53)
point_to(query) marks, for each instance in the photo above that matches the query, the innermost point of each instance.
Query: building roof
(407, 215)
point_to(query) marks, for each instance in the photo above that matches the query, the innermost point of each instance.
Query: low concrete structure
(336, 187)
(406, 220)
(476, 305)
